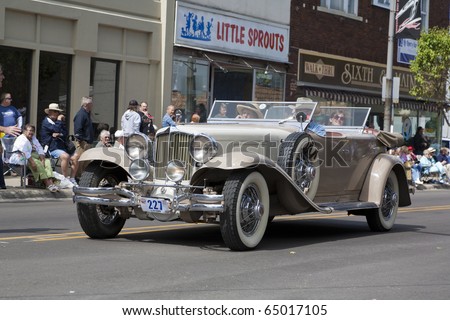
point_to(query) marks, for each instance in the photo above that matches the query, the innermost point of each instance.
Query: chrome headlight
(203, 148)
(139, 169)
(175, 170)
(137, 146)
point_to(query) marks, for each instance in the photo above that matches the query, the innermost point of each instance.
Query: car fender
(111, 155)
(376, 178)
(290, 197)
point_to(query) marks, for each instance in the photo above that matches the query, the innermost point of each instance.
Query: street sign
(406, 50)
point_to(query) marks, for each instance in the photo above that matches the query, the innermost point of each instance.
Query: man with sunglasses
(337, 118)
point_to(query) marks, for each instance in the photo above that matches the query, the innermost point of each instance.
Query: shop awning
(366, 99)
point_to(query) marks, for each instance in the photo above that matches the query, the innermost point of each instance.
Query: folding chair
(55, 162)
(19, 169)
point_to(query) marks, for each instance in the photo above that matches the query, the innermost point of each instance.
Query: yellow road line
(124, 232)
(169, 227)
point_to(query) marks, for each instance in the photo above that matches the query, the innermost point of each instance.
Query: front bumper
(122, 197)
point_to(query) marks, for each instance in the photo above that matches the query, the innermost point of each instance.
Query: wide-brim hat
(53, 107)
(431, 149)
(250, 108)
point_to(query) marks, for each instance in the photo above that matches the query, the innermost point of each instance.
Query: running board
(348, 206)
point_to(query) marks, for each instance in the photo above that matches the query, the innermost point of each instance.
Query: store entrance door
(235, 84)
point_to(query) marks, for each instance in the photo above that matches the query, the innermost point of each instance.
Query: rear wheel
(244, 221)
(99, 221)
(383, 218)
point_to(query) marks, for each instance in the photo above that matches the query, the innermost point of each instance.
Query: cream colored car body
(351, 172)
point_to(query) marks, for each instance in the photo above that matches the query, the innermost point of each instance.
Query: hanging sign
(408, 19)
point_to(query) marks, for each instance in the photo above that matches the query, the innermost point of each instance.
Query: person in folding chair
(32, 153)
(54, 136)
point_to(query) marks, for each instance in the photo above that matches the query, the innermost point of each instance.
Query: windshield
(260, 111)
(344, 117)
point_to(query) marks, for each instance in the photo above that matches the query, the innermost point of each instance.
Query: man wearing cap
(131, 120)
(54, 136)
(119, 139)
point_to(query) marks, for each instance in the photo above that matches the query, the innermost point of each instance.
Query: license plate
(154, 205)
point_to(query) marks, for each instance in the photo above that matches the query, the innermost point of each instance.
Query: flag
(408, 20)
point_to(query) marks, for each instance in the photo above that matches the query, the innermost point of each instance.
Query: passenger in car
(248, 112)
(337, 118)
(222, 111)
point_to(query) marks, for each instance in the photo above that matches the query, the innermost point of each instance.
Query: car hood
(239, 132)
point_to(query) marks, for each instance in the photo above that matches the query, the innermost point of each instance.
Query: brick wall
(328, 33)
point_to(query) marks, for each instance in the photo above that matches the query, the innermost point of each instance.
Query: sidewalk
(15, 192)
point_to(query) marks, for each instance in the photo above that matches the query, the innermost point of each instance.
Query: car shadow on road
(280, 234)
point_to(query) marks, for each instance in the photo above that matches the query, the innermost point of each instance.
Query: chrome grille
(173, 146)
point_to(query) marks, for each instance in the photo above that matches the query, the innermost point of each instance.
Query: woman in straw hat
(248, 112)
(54, 136)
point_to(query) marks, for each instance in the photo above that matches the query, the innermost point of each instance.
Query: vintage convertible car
(249, 163)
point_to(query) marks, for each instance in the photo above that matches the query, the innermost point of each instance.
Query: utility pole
(388, 124)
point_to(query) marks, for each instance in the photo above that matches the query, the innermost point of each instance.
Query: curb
(432, 186)
(13, 194)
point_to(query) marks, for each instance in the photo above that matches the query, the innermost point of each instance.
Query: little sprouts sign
(204, 28)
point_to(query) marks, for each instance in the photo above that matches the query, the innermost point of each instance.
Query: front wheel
(244, 221)
(99, 221)
(383, 218)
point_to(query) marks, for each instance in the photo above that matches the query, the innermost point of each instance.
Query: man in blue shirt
(9, 115)
(54, 136)
(84, 130)
(5, 130)
(167, 120)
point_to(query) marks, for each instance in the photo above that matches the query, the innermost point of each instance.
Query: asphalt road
(45, 255)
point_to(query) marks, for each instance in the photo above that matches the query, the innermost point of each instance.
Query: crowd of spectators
(428, 166)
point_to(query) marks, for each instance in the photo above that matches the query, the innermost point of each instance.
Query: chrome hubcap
(390, 200)
(251, 210)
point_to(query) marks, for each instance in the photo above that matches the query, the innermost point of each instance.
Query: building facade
(190, 53)
(229, 50)
(60, 51)
(162, 52)
(338, 56)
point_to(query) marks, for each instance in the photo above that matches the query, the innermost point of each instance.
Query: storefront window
(104, 87)
(16, 65)
(54, 83)
(429, 121)
(407, 121)
(190, 87)
(269, 85)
